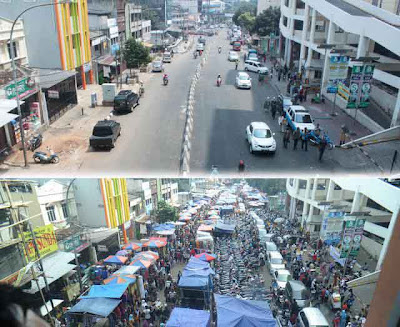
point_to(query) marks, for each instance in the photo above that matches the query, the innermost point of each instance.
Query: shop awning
(6, 105)
(106, 291)
(99, 307)
(106, 61)
(55, 266)
(48, 78)
(127, 270)
(188, 317)
(56, 303)
(6, 117)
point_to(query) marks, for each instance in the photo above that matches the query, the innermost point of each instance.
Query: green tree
(247, 21)
(165, 212)
(267, 22)
(135, 54)
(243, 8)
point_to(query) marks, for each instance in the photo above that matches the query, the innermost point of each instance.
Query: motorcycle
(43, 157)
(316, 139)
(165, 80)
(219, 81)
(35, 142)
(195, 55)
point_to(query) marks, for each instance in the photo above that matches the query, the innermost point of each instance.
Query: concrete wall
(40, 32)
(383, 99)
(89, 202)
(371, 247)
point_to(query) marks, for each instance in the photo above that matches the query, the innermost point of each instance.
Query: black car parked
(105, 133)
(125, 100)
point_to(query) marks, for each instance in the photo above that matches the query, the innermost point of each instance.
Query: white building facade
(311, 199)
(55, 208)
(362, 29)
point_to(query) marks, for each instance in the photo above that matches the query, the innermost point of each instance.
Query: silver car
(157, 67)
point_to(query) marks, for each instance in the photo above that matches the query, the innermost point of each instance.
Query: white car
(260, 138)
(298, 116)
(243, 81)
(282, 276)
(253, 57)
(254, 66)
(233, 56)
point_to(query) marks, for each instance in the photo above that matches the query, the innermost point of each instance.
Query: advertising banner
(343, 91)
(332, 226)
(337, 72)
(45, 239)
(356, 75)
(348, 234)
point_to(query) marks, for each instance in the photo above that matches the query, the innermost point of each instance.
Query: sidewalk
(69, 135)
(322, 114)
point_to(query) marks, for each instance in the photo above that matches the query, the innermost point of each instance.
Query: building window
(285, 21)
(317, 228)
(318, 74)
(64, 209)
(19, 187)
(298, 25)
(51, 213)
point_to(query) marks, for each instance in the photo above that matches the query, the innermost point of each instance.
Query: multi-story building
(265, 4)
(57, 36)
(18, 202)
(356, 28)
(57, 202)
(168, 191)
(133, 21)
(311, 201)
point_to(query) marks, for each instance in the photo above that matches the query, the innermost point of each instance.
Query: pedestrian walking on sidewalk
(296, 137)
(286, 137)
(322, 146)
(236, 64)
(304, 141)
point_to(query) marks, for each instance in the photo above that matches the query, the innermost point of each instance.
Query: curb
(184, 166)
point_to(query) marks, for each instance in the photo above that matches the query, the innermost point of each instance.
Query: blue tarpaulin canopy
(188, 272)
(233, 312)
(106, 291)
(182, 317)
(194, 282)
(224, 228)
(194, 263)
(99, 307)
(164, 227)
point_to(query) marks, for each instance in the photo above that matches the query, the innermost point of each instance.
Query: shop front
(59, 89)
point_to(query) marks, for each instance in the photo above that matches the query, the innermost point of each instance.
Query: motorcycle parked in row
(44, 157)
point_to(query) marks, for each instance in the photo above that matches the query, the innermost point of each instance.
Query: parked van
(311, 317)
(167, 56)
(297, 291)
(270, 246)
(275, 261)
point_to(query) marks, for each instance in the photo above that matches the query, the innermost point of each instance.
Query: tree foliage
(135, 54)
(165, 212)
(247, 21)
(267, 22)
(244, 7)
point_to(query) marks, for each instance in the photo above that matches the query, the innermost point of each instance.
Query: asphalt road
(151, 137)
(222, 114)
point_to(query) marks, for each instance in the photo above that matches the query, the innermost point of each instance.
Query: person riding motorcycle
(219, 80)
(165, 78)
(219, 49)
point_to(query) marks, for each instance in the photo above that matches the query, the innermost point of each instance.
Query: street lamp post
(14, 69)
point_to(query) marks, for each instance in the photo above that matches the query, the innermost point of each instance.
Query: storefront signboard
(53, 94)
(331, 228)
(72, 243)
(45, 239)
(365, 86)
(102, 248)
(358, 233)
(348, 234)
(25, 87)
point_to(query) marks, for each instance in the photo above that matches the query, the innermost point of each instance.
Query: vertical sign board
(365, 85)
(358, 233)
(348, 234)
(337, 72)
(354, 88)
